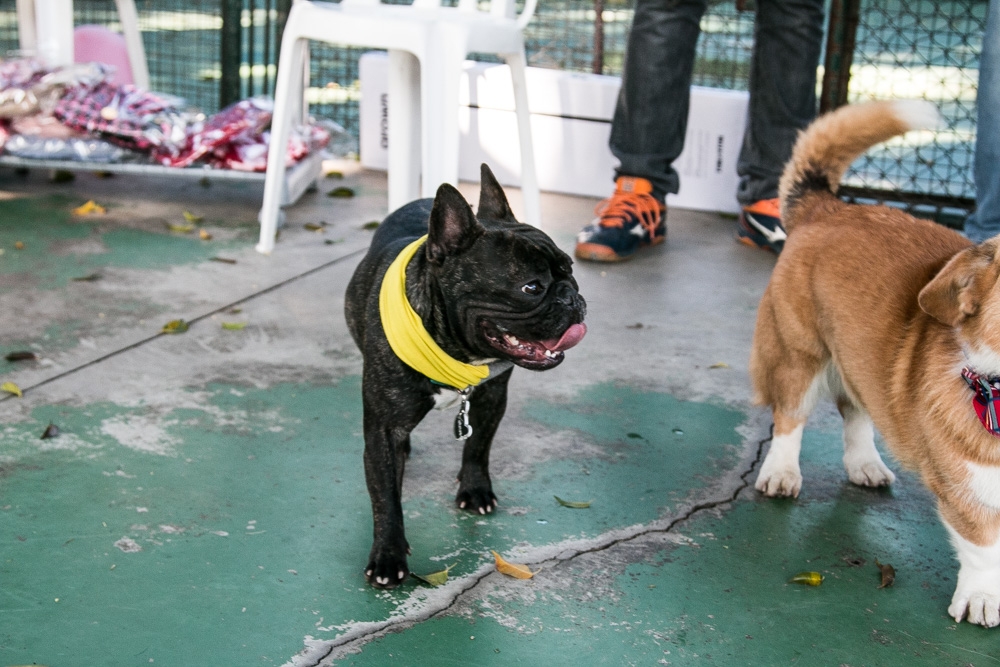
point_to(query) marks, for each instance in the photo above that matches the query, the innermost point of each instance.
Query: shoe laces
(622, 206)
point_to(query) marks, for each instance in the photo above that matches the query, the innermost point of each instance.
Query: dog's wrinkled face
(509, 291)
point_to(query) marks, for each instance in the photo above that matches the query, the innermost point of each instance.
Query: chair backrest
(504, 9)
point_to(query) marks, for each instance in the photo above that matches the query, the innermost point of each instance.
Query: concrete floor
(204, 503)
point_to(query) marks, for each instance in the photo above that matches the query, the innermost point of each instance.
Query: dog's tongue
(570, 337)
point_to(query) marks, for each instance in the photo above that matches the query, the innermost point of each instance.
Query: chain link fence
(215, 52)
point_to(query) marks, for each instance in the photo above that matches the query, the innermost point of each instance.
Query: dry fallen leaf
(19, 245)
(888, 574)
(21, 356)
(51, 431)
(512, 569)
(719, 364)
(224, 260)
(807, 578)
(11, 388)
(90, 208)
(573, 504)
(204, 236)
(315, 226)
(89, 278)
(434, 578)
(175, 326)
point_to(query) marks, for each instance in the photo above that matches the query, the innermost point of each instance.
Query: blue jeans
(985, 221)
(647, 133)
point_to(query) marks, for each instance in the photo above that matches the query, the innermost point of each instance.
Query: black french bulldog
(491, 292)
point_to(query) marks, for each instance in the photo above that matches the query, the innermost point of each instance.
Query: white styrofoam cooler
(570, 123)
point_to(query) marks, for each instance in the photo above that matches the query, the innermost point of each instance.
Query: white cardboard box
(570, 123)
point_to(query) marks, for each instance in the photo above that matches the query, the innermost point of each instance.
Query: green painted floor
(204, 502)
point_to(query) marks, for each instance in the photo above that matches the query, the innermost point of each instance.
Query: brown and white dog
(898, 321)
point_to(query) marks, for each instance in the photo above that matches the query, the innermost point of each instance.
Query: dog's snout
(567, 295)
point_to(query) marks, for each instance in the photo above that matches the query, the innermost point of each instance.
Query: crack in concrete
(363, 633)
(137, 344)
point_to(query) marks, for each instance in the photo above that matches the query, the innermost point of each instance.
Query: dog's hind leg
(779, 474)
(861, 459)
(790, 404)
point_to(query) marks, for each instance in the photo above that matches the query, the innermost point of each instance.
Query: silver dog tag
(463, 429)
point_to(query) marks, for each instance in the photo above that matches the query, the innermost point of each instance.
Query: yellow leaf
(719, 364)
(233, 326)
(570, 503)
(191, 217)
(512, 569)
(90, 208)
(175, 326)
(807, 578)
(11, 388)
(180, 229)
(434, 578)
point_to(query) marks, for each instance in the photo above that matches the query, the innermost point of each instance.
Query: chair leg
(529, 179)
(404, 128)
(287, 89)
(439, 84)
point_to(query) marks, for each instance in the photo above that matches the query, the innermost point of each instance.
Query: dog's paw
(478, 500)
(869, 473)
(386, 570)
(778, 482)
(978, 607)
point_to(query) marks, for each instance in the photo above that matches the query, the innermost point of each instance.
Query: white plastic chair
(427, 44)
(45, 27)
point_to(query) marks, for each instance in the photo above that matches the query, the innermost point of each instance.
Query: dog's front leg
(489, 402)
(977, 593)
(387, 426)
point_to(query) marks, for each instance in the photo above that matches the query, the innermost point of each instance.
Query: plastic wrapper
(27, 87)
(246, 118)
(235, 138)
(79, 149)
(127, 116)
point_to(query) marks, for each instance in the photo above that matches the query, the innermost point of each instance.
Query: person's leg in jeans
(647, 131)
(985, 221)
(788, 40)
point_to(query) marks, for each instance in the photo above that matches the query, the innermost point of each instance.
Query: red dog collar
(984, 401)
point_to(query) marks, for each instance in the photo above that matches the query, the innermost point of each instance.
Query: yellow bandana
(409, 339)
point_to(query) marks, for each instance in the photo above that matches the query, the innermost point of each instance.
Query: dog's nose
(568, 297)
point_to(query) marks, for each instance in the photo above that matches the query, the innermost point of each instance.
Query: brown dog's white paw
(780, 483)
(977, 607)
(870, 473)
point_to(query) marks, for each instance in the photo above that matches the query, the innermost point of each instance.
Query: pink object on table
(95, 43)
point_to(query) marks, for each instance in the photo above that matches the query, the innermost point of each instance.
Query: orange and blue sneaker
(759, 226)
(632, 218)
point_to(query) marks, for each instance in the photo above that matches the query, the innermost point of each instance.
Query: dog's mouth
(533, 354)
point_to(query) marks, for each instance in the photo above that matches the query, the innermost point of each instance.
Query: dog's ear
(492, 200)
(452, 227)
(958, 289)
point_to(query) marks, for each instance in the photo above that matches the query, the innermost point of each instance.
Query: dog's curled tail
(826, 148)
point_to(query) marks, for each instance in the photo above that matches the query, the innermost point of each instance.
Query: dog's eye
(532, 288)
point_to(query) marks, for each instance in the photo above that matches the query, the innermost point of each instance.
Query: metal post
(598, 67)
(841, 36)
(230, 57)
